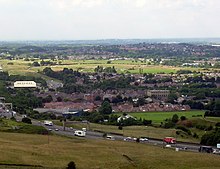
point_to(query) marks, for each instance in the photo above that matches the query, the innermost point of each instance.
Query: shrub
(26, 120)
(217, 124)
(147, 122)
(211, 139)
(195, 135)
(184, 129)
(175, 118)
(13, 118)
(120, 127)
(71, 165)
(201, 127)
(169, 124)
(183, 118)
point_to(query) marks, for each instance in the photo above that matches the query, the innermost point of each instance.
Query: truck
(169, 140)
(48, 123)
(80, 133)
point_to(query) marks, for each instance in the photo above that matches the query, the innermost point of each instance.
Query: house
(125, 117)
(25, 84)
(158, 94)
(72, 112)
(1, 70)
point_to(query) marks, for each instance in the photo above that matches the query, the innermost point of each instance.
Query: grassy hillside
(35, 150)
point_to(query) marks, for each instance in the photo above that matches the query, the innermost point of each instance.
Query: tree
(98, 98)
(172, 98)
(71, 165)
(59, 99)
(183, 118)
(105, 108)
(175, 118)
(35, 64)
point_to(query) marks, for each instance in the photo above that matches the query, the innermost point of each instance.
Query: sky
(108, 19)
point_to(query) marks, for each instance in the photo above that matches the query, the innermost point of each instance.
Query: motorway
(98, 135)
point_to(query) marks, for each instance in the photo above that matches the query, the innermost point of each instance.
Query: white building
(25, 84)
(1, 70)
(125, 117)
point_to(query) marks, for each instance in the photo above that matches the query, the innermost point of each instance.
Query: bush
(120, 127)
(175, 118)
(26, 120)
(211, 139)
(169, 124)
(195, 135)
(147, 122)
(71, 165)
(13, 118)
(201, 127)
(217, 124)
(184, 129)
(182, 118)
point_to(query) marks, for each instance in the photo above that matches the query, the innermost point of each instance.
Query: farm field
(158, 117)
(24, 67)
(27, 149)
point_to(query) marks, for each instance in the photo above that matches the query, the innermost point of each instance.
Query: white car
(80, 133)
(144, 139)
(128, 139)
(56, 129)
(216, 152)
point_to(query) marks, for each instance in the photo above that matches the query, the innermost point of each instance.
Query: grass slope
(35, 150)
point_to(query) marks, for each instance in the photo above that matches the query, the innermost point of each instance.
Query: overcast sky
(108, 19)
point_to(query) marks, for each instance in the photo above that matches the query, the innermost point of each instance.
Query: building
(125, 117)
(25, 84)
(158, 94)
(1, 70)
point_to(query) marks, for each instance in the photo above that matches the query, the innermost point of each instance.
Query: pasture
(122, 66)
(27, 149)
(158, 117)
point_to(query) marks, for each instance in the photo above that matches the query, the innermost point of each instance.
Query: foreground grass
(35, 150)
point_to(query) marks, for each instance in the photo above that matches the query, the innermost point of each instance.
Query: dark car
(205, 149)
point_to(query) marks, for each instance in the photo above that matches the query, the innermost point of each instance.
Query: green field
(158, 117)
(24, 67)
(30, 149)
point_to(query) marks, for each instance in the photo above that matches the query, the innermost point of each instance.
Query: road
(98, 135)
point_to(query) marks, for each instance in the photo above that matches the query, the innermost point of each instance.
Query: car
(168, 146)
(143, 139)
(169, 140)
(110, 138)
(71, 128)
(80, 133)
(205, 149)
(49, 129)
(56, 129)
(215, 151)
(128, 139)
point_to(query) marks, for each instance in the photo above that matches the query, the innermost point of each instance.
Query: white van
(80, 133)
(48, 123)
(110, 137)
